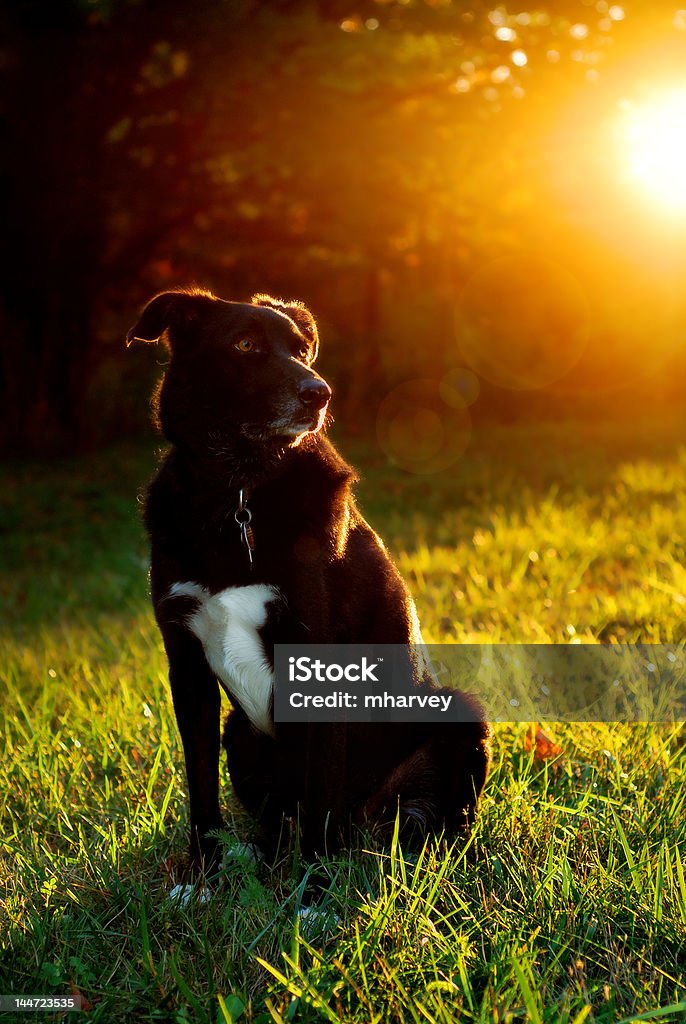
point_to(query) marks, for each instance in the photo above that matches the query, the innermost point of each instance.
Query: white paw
(243, 854)
(181, 895)
(314, 921)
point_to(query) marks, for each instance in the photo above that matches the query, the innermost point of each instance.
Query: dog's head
(237, 370)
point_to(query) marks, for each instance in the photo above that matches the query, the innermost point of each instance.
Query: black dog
(256, 540)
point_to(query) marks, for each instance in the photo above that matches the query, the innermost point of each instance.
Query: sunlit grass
(574, 907)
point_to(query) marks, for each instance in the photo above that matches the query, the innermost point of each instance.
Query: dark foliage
(370, 157)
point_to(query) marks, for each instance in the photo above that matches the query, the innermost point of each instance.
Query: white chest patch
(227, 626)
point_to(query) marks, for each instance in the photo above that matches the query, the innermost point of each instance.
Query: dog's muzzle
(306, 411)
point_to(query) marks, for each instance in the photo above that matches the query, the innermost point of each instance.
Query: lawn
(569, 905)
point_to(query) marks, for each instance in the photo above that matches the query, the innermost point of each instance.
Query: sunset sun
(655, 136)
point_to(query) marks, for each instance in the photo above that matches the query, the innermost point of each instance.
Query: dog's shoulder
(319, 483)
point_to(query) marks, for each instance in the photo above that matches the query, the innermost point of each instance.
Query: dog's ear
(163, 314)
(299, 314)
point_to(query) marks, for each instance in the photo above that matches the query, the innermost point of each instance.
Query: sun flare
(655, 135)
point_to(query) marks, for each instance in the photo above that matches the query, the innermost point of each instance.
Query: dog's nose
(314, 393)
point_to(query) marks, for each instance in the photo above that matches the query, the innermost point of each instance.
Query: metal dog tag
(243, 517)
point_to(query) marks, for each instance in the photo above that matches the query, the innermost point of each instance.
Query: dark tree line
(360, 155)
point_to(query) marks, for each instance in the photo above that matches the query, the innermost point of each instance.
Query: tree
(312, 148)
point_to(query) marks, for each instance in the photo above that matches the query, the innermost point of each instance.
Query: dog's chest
(229, 625)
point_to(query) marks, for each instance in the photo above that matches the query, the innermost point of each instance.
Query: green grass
(573, 908)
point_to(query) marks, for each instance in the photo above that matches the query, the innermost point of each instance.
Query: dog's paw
(181, 895)
(242, 855)
(315, 921)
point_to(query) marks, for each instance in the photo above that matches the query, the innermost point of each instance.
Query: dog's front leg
(196, 697)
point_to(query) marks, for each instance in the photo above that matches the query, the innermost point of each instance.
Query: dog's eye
(304, 354)
(245, 345)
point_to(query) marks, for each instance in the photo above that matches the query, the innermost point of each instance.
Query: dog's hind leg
(435, 790)
(463, 757)
(408, 794)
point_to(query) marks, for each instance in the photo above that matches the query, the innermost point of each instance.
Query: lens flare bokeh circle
(423, 426)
